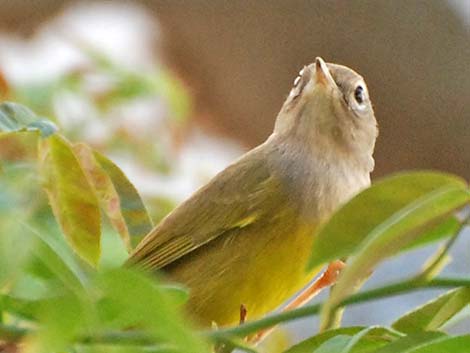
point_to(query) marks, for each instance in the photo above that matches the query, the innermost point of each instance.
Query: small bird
(244, 239)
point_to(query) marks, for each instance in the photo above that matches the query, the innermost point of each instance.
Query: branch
(377, 293)
(14, 333)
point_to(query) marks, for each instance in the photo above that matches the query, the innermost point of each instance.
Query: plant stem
(377, 293)
(14, 333)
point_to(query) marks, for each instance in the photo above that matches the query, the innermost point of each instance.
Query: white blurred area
(462, 8)
(125, 34)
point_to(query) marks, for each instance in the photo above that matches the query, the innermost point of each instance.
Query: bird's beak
(323, 77)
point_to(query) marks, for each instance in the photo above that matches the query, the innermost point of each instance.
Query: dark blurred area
(414, 55)
(241, 57)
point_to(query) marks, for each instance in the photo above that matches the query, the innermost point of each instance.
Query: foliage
(69, 216)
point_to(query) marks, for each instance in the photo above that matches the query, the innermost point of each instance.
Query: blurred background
(175, 90)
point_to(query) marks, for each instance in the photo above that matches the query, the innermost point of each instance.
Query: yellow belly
(259, 266)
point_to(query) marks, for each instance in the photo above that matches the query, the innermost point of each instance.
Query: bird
(244, 238)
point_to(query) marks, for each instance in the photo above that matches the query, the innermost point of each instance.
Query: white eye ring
(296, 81)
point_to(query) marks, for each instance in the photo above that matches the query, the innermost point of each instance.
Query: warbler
(246, 236)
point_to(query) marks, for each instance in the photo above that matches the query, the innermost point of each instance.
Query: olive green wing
(241, 194)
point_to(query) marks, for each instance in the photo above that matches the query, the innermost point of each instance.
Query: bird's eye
(359, 94)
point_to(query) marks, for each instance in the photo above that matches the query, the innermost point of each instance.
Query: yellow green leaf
(132, 207)
(72, 198)
(107, 195)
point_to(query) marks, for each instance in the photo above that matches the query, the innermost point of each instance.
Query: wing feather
(235, 198)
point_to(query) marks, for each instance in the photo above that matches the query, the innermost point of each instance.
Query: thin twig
(386, 291)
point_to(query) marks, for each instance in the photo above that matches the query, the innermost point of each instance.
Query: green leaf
(62, 319)
(16, 244)
(136, 300)
(370, 337)
(133, 210)
(58, 259)
(432, 315)
(358, 341)
(383, 203)
(407, 343)
(312, 343)
(178, 294)
(72, 198)
(19, 307)
(113, 250)
(431, 198)
(445, 229)
(31, 287)
(335, 344)
(457, 344)
(15, 117)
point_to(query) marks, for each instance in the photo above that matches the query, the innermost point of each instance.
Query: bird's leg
(226, 347)
(326, 279)
(243, 313)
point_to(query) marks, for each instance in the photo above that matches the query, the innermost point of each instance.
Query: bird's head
(329, 107)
